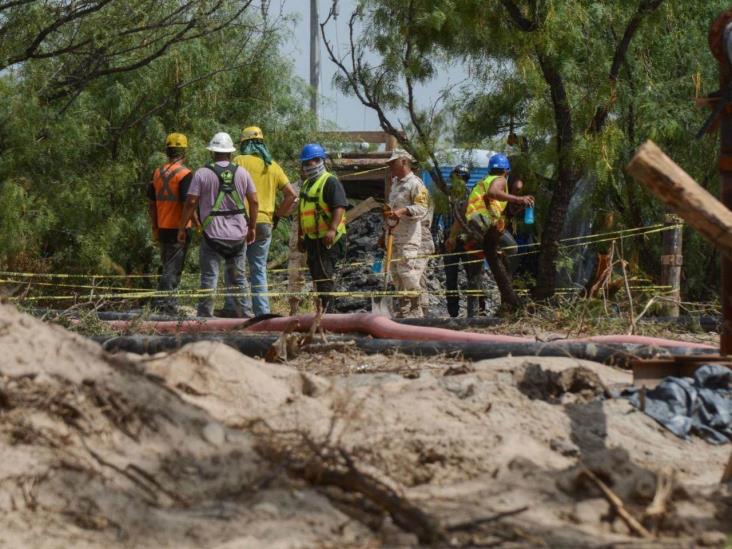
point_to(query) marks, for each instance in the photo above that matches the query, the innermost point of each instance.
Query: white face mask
(314, 170)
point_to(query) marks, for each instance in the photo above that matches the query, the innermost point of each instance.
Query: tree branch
(522, 22)
(645, 8)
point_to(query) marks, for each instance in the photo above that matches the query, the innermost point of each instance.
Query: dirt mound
(207, 447)
(463, 439)
(97, 452)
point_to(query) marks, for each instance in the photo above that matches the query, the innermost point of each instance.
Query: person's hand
(182, 236)
(396, 214)
(155, 234)
(527, 200)
(329, 238)
(450, 244)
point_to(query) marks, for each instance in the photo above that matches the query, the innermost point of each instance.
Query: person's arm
(289, 199)
(152, 211)
(329, 237)
(188, 208)
(253, 211)
(335, 196)
(419, 206)
(497, 191)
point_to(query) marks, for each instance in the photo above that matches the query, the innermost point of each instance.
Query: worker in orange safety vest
(166, 195)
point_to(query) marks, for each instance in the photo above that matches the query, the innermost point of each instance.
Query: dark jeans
(322, 264)
(173, 258)
(473, 269)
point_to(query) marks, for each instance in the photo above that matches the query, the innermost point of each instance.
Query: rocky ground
(356, 274)
(205, 447)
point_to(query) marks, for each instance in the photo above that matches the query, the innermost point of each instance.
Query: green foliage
(74, 171)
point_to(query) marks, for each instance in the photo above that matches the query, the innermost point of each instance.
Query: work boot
(415, 308)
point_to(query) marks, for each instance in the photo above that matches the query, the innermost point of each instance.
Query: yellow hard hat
(252, 132)
(176, 140)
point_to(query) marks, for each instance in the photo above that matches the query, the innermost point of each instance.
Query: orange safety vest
(166, 182)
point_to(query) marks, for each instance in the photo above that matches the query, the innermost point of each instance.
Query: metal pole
(314, 58)
(720, 42)
(671, 262)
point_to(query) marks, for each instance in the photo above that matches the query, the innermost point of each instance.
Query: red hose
(377, 326)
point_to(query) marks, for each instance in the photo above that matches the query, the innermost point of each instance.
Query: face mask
(314, 170)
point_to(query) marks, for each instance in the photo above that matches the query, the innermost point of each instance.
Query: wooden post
(683, 195)
(671, 262)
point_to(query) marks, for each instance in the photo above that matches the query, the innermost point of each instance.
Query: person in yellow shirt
(268, 178)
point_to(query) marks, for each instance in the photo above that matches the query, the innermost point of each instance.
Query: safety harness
(226, 188)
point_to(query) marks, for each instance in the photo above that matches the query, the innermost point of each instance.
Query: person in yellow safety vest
(408, 205)
(321, 222)
(166, 195)
(485, 215)
(268, 178)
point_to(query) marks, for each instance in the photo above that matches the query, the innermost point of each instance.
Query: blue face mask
(314, 170)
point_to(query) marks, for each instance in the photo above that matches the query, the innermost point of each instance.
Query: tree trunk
(509, 299)
(566, 181)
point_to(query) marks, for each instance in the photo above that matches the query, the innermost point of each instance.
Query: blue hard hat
(499, 162)
(310, 151)
(462, 171)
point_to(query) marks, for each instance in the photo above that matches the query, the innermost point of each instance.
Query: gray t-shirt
(205, 186)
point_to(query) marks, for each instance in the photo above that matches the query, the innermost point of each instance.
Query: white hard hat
(396, 154)
(221, 143)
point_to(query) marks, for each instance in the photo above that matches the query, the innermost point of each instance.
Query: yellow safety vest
(315, 214)
(476, 203)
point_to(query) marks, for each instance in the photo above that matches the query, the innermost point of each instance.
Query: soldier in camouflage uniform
(408, 204)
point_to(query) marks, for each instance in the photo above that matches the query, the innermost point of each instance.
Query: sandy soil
(206, 447)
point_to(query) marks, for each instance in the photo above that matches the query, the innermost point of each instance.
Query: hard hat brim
(221, 149)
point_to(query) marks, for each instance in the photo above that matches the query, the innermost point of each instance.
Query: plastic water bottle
(529, 215)
(376, 266)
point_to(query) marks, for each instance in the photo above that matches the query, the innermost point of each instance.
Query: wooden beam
(361, 208)
(348, 137)
(673, 186)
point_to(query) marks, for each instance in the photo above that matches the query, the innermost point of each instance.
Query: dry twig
(636, 527)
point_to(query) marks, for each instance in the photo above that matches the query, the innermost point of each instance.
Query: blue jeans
(234, 278)
(257, 253)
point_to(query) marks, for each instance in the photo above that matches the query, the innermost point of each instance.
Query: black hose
(704, 322)
(257, 346)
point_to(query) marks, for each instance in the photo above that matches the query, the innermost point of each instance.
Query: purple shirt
(205, 186)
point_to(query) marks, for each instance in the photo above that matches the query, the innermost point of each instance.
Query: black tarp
(700, 405)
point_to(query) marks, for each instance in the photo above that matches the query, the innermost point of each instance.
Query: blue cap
(310, 151)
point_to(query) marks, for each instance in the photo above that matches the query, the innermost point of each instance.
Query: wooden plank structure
(363, 174)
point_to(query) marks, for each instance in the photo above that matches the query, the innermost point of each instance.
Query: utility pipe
(375, 325)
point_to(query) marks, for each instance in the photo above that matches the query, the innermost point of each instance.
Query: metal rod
(314, 58)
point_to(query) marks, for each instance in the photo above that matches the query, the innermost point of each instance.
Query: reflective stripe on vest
(166, 183)
(315, 214)
(476, 202)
